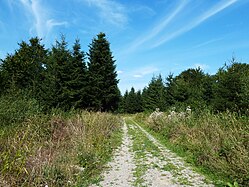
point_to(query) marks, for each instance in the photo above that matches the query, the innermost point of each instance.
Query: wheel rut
(141, 160)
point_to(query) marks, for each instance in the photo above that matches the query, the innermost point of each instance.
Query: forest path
(142, 161)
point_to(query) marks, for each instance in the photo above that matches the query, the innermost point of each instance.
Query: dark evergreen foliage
(23, 69)
(132, 102)
(78, 78)
(188, 88)
(103, 92)
(55, 91)
(232, 88)
(124, 103)
(61, 78)
(154, 96)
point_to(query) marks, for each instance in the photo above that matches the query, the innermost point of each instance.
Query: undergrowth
(218, 143)
(55, 149)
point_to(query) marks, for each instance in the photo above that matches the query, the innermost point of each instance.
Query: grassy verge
(56, 149)
(216, 144)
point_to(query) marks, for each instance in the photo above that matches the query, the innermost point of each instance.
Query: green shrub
(16, 108)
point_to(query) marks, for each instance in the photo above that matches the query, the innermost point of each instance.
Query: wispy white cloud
(141, 72)
(208, 42)
(209, 13)
(42, 24)
(110, 11)
(161, 26)
(137, 76)
(142, 8)
(202, 66)
(163, 32)
(120, 72)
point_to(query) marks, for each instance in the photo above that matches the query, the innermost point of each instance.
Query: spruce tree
(78, 77)
(123, 107)
(132, 102)
(139, 101)
(23, 70)
(154, 96)
(103, 92)
(56, 92)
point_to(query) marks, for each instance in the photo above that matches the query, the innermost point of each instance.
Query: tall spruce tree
(55, 89)
(103, 92)
(78, 78)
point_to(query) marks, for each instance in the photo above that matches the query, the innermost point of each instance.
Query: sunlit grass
(216, 142)
(56, 149)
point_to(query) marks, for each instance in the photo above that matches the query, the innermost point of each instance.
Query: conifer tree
(232, 88)
(154, 96)
(132, 102)
(124, 103)
(139, 101)
(170, 85)
(23, 69)
(103, 91)
(188, 89)
(55, 89)
(78, 77)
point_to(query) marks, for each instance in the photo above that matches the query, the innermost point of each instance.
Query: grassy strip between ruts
(153, 160)
(141, 145)
(59, 149)
(216, 144)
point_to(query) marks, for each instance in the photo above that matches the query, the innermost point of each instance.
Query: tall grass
(56, 149)
(219, 143)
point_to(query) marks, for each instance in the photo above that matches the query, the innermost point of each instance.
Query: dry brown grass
(59, 150)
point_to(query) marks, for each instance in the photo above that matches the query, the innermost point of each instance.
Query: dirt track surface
(142, 161)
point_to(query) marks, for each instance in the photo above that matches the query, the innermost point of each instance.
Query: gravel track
(151, 164)
(121, 167)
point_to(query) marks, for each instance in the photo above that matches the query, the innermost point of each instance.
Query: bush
(15, 108)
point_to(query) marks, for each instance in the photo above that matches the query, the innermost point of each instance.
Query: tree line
(63, 78)
(228, 89)
(70, 78)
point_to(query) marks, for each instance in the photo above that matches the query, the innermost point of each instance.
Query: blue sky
(147, 37)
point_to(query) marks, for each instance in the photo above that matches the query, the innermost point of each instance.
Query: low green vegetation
(216, 143)
(54, 149)
(142, 146)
